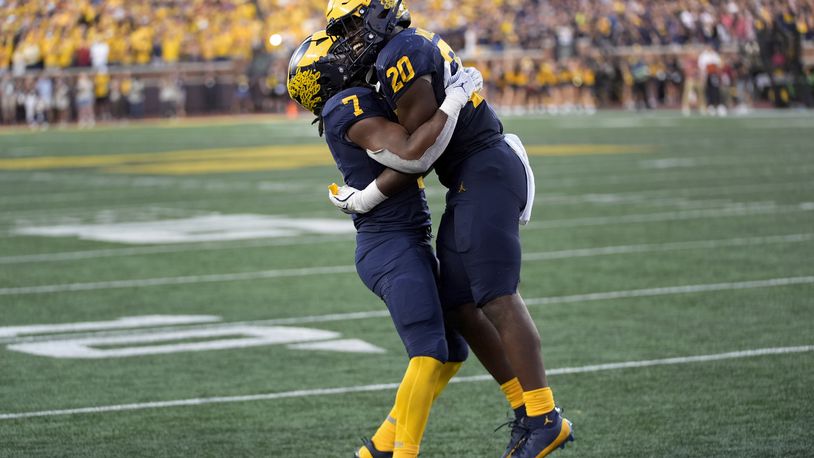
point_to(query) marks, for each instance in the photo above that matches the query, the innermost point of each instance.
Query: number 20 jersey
(414, 53)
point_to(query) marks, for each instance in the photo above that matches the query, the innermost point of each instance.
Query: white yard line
(55, 213)
(347, 316)
(125, 182)
(392, 386)
(534, 301)
(173, 248)
(545, 173)
(43, 216)
(755, 208)
(343, 269)
(745, 209)
(670, 246)
(303, 185)
(53, 197)
(670, 290)
(668, 195)
(644, 196)
(670, 176)
(162, 281)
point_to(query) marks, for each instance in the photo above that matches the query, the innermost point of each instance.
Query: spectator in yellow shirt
(101, 89)
(171, 44)
(141, 42)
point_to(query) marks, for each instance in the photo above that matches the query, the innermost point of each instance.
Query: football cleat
(368, 450)
(517, 434)
(545, 435)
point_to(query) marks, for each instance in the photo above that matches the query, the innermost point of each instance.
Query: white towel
(514, 142)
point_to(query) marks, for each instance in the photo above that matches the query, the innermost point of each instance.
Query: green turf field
(669, 266)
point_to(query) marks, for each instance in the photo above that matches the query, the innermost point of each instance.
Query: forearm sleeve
(421, 165)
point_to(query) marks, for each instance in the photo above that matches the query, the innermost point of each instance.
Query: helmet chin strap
(370, 78)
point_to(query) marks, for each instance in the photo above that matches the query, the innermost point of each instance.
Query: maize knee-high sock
(413, 403)
(539, 401)
(448, 370)
(513, 392)
(385, 437)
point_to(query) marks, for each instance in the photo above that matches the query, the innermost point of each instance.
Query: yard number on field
(138, 336)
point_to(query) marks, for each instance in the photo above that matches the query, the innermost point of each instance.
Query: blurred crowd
(699, 79)
(612, 23)
(581, 54)
(46, 100)
(82, 33)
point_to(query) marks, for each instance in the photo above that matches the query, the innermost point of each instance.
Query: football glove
(459, 88)
(354, 201)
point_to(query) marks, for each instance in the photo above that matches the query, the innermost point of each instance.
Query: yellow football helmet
(339, 9)
(315, 73)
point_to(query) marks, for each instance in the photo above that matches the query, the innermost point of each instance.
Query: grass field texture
(669, 266)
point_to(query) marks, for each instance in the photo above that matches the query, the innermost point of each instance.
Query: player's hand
(463, 84)
(354, 201)
(343, 198)
(475, 82)
(468, 78)
(449, 77)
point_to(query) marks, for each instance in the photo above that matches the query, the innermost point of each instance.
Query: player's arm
(417, 105)
(414, 151)
(390, 182)
(379, 133)
(359, 201)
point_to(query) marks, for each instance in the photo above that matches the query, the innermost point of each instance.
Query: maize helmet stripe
(319, 46)
(305, 80)
(338, 9)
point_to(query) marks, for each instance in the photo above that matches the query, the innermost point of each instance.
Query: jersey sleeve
(405, 59)
(349, 107)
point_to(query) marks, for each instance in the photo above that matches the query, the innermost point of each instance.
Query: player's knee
(500, 298)
(457, 349)
(504, 308)
(461, 318)
(508, 313)
(425, 340)
(416, 311)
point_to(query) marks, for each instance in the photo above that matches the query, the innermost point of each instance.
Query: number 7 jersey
(407, 209)
(414, 53)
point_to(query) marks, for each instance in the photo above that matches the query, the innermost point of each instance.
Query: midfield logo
(136, 336)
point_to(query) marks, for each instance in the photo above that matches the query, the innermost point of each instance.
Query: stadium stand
(84, 60)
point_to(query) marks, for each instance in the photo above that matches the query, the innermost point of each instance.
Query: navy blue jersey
(406, 210)
(414, 53)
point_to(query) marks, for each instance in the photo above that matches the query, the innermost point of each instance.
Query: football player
(490, 191)
(394, 257)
